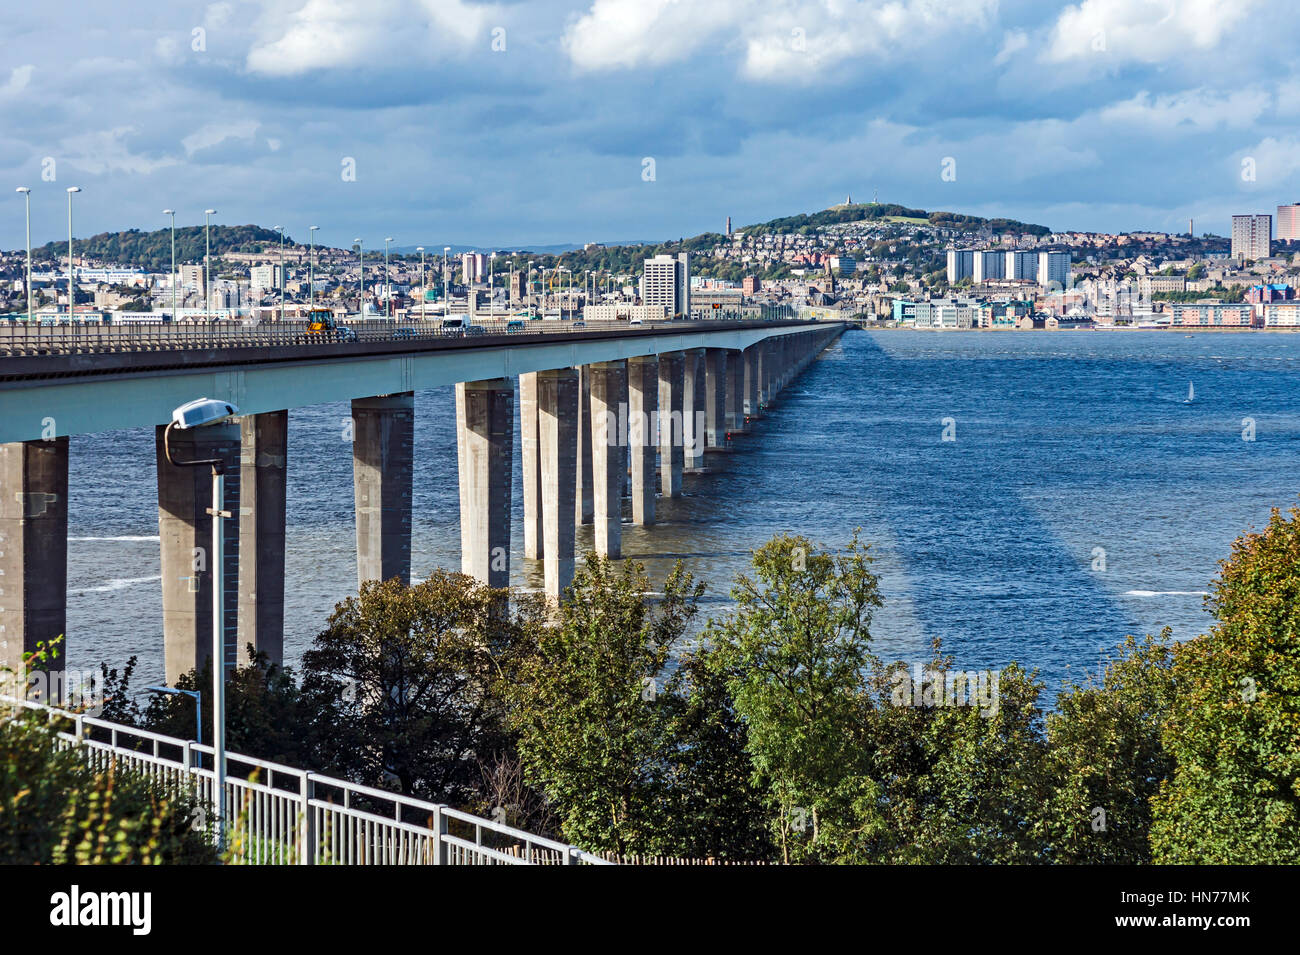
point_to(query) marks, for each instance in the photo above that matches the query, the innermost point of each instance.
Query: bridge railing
(282, 815)
(19, 338)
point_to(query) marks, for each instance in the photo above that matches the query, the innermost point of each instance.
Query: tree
(594, 733)
(796, 649)
(1234, 727)
(407, 680)
(55, 809)
(1105, 760)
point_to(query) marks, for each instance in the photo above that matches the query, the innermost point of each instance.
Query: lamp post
(532, 302)
(280, 229)
(492, 284)
(420, 249)
(196, 696)
(197, 414)
(172, 276)
(72, 294)
(446, 295)
(27, 196)
(388, 282)
(207, 262)
(361, 275)
(311, 274)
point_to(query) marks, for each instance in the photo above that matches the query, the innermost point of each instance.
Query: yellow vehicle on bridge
(321, 320)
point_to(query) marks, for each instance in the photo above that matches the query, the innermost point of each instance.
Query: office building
(666, 281)
(1252, 237)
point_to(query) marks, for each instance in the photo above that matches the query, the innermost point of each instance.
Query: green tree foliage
(408, 681)
(54, 809)
(1234, 727)
(152, 250)
(795, 650)
(1105, 759)
(593, 733)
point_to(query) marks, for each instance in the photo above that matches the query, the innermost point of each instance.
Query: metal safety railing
(71, 338)
(280, 815)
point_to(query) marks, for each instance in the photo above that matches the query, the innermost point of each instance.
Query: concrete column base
(485, 448)
(643, 414)
(382, 475)
(557, 393)
(608, 455)
(263, 498)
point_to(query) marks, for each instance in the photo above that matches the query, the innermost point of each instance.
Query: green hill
(859, 212)
(152, 250)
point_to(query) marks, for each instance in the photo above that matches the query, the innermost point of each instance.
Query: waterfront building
(1213, 314)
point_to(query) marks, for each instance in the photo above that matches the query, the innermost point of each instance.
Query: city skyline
(511, 126)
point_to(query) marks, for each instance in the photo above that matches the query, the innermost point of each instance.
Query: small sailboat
(1191, 393)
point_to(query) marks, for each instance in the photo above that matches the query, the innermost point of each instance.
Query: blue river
(1029, 496)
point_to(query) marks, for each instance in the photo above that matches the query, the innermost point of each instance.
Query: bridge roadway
(607, 411)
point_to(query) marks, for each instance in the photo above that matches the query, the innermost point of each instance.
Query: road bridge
(606, 411)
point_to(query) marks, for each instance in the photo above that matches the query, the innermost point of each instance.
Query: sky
(450, 122)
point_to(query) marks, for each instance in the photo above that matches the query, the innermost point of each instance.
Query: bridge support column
(715, 398)
(735, 392)
(382, 465)
(608, 455)
(643, 414)
(33, 556)
(185, 545)
(485, 430)
(672, 453)
(751, 384)
(583, 508)
(557, 398)
(532, 465)
(693, 409)
(263, 497)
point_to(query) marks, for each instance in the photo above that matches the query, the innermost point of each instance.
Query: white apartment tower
(666, 281)
(1054, 269)
(1252, 237)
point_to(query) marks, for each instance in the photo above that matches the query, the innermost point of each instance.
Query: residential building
(1209, 314)
(751, 285)
(961, 264)
(1282, 315)
(1020, 266)
(1252, 237)
(1054, 269)
(988, 264)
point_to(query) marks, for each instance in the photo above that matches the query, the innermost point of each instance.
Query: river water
(1081, 496)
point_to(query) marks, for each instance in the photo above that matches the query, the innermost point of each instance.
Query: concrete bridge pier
(736, 392)
(642, 413)
(185, 545)
(382, 473)
(263, 497)
(672, 453)
(750, 404)
(608, 455)
(557, 403)
(715, 398)
(531, 466)
(694, 415)
(33, 553)
(583, 509)
(485, 434)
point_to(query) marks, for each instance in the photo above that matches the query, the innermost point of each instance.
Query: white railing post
(307, 822)
(440, 828)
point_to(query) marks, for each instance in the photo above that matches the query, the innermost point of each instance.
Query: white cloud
(1012, 43)
(1147, 31)
(214, 133)
(105, 151)
(783, 40)
(19, 77)
(325, 34)
(1192, 109)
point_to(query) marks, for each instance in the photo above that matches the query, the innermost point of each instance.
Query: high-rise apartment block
(1288, 223)
(1252, 237)
(1021, 266)
(989, 264)
(1054, 269)
(667, 282)
(961, 264)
